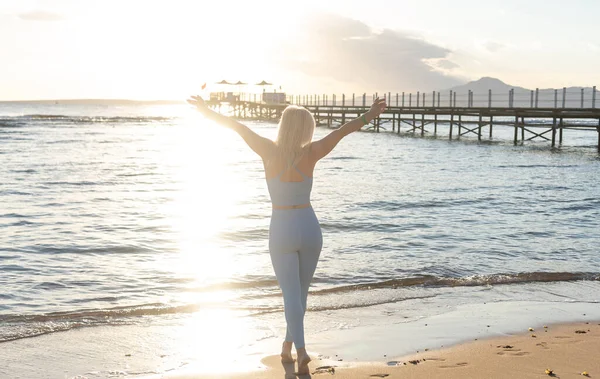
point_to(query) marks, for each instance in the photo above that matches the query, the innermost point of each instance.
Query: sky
(166, 49)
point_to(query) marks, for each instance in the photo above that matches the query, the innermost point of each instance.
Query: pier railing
(585, 98)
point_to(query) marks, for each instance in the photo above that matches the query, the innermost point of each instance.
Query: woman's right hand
(377, 108)
(198, 102)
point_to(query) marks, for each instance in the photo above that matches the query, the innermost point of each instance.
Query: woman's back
(282, 167)
(289, 182)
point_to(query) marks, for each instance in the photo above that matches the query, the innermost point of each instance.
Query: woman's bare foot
(303, 360)
(286, 352)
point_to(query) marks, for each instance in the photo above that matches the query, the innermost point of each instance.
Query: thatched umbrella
(263, 83)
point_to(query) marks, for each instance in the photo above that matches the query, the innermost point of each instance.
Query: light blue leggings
(295, 243)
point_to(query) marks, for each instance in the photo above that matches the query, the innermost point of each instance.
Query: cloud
(40, 16)
(442, 64)
(492, 46)
(349, 51)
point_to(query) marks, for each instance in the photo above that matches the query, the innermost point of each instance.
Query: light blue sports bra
(284, 194)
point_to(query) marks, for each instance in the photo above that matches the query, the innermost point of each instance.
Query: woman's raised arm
(325, 145)
(260, 145)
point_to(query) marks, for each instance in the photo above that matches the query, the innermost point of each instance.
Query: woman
(295, 235)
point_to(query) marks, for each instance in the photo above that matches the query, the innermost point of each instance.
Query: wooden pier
(528, 123)
(546, 124)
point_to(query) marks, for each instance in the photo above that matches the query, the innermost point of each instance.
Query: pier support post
(459, 126)
(423, 123)
(451, 124)
(522, 129)
(479, 127)
(393, 122)
(435, 123)
(491, 125)
(516, 129)
(553, 131)
(560, 132)
(598, 130)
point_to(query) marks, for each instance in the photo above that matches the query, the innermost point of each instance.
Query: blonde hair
(295, 133)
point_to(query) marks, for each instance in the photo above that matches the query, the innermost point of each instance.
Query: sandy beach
(561, 351)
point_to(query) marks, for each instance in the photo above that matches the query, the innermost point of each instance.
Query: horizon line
(92, 100)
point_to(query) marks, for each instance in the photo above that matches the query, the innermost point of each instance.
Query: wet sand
(560, 351)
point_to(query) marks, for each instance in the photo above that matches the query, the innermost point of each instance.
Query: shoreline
(565, 350)
(211, 344)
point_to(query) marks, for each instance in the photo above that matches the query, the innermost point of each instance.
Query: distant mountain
(484, 84)
(523, 97)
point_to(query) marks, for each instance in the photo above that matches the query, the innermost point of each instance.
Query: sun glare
(202, 160)
(205, 197)
(176, 47)
(146, 50)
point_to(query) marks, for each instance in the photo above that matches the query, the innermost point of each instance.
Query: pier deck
(528, 123)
